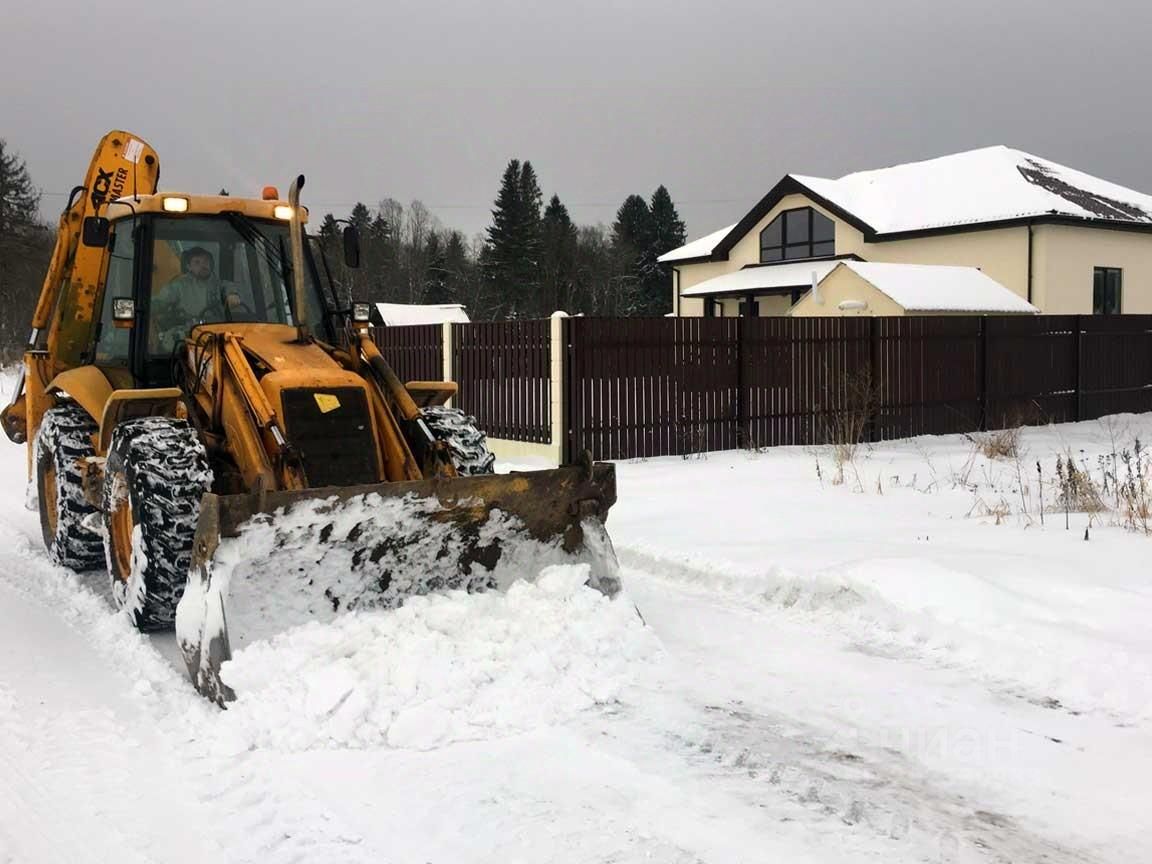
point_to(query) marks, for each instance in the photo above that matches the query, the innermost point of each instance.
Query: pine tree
(512, 254)
(361, 218)
(329, 229)
(501, 253)
(25, 248)
(436, 282)
(530, 243)
(459, 269)
(19, 199)
(558, 256)
(667, 227)
(632, 240)
(667, 234)
(376, 257)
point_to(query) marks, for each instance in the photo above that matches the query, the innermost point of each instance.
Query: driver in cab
(196, 296)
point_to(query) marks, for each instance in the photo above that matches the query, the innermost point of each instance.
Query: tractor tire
(156, 474)
(466, 443)
(65, 438)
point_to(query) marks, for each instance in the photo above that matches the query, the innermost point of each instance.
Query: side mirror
(95, 231)
(351, 238)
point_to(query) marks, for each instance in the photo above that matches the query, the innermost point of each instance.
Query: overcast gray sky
(717, 100)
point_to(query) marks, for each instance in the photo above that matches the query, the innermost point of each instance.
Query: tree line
(531, 261)
(25, 249)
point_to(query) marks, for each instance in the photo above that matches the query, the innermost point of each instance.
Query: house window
(796, 234)
(1106, 291)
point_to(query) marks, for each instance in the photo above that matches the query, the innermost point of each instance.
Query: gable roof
(978, 187)
(939, 288)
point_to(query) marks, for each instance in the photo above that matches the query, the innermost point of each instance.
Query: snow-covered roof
(773, 276)
(991, 184)
(399, 314)
(939, 288)
(697, 248)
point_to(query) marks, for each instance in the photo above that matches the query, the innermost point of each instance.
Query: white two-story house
(991, 231)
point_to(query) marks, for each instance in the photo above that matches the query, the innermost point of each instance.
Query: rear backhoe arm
(123, 165)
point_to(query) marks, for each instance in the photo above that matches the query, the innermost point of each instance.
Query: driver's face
(200, 266)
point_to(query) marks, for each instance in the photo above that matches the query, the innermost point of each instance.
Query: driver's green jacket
(187, 300)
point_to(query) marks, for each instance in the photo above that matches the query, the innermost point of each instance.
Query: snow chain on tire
(467, 444)
(156, 474)
(63, 440)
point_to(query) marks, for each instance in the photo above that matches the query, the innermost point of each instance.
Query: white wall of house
(1064, 257)
(843, 285)
(1001, 253)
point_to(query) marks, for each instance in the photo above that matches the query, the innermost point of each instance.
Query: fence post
(985, 372)
(744, 328)
(446, 357)
(558, 388)
(1078, 352)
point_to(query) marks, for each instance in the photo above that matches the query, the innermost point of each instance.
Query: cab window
(112, 342)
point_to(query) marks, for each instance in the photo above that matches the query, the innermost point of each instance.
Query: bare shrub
(1076, 491)
(692, 439)
(846, 428)
(1000, 444)
(998, 510)
(1133, 490)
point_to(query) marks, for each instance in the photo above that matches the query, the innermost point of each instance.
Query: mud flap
(263, 564)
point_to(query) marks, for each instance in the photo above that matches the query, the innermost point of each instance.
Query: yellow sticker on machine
(326, 402)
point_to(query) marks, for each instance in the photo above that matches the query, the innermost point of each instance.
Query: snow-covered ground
(906, 666)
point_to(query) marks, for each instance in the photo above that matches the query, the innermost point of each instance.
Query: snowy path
(820, 696)
(919, 755)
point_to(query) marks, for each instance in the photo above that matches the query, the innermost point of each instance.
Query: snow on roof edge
(697, 248)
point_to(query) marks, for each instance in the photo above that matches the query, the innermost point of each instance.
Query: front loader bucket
(264, 563)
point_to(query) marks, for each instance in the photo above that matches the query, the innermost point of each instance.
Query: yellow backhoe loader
(206, 419)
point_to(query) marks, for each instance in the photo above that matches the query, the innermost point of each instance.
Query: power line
(487, 206)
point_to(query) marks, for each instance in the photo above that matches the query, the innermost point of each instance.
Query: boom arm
(123, 165)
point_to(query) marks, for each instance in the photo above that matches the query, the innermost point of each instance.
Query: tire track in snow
(870, 624)
(802, 772)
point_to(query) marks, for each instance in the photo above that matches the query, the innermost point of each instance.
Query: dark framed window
(1106, 291)
(795, 234)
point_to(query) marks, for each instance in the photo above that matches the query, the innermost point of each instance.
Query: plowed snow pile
(443, 668)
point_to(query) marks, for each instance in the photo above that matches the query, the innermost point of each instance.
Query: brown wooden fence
(415, 351)
(504, 372)
(656, 387)
(640, 387)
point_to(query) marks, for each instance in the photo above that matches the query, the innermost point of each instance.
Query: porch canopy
(771, 279)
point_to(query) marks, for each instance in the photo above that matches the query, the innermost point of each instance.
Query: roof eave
(1014, 222)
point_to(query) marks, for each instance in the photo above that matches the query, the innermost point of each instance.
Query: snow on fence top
(991, 184)
(937, 288)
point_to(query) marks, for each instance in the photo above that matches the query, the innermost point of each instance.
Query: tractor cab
(176, 262)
